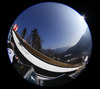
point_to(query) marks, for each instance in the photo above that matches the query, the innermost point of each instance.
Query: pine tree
(28, 39)
(36, 40)
(23, 33)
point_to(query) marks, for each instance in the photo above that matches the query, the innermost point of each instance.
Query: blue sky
(58, 25)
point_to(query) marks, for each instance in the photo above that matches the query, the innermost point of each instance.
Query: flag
(15, 27)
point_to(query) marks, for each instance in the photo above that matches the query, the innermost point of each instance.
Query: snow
(67, 55)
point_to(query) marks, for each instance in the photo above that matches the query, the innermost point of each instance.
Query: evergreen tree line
(33, 39)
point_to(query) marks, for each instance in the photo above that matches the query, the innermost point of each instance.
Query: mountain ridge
(82, 45)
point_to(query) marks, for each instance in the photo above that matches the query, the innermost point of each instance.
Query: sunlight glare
(83, 17)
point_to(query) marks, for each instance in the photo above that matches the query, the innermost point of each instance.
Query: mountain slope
(83, 44)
